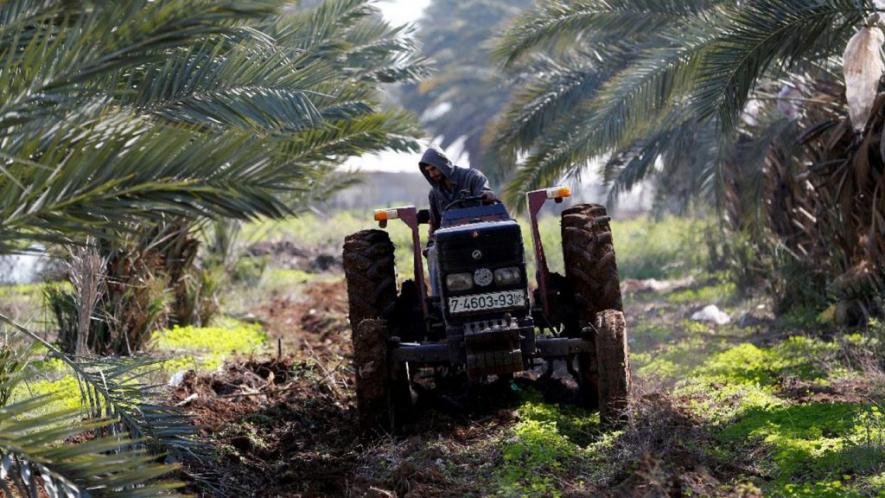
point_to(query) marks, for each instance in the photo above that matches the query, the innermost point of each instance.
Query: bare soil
(286, 424)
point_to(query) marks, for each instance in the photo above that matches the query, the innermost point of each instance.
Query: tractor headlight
(507, 276)
(459, 281)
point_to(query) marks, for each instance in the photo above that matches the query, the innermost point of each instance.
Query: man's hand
(489, 196)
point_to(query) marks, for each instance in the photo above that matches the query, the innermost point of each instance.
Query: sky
(402, 11)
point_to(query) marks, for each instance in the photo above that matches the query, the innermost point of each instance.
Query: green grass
(548, 443)
(719, 294)
(646, 249)
(816, 448)
(206, 348)
(199, 348)
(669, 248)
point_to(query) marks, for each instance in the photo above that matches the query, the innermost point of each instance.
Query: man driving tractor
(449, 183)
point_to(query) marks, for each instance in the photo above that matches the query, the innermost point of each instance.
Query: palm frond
(559, 88)
(617, 19)
(761, 34)
(141, 110)
(35, 454)
(621, 111)
(117, 388)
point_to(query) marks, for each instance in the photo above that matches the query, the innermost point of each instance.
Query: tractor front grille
(493, 347)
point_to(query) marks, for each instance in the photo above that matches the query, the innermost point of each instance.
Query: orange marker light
(558, 192)
(386, 214)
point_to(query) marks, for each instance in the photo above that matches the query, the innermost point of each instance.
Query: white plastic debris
(712, 314)
(177, 378)
(187, 400)
(862, 65)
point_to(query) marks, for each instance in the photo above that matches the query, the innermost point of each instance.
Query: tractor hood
(489, 244)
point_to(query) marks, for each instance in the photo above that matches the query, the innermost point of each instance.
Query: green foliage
(651, 80)
(39, 433)
(33, 451)
(666, 248)
(537, 451)
(119, 388)
(206, 348)
(12, 363)
(815, 443)
(139, 112)
(548, 441)
(721, 293)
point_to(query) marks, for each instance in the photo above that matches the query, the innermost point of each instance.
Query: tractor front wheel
(383, 394)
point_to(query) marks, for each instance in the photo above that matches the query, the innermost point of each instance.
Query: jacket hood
(436, 157)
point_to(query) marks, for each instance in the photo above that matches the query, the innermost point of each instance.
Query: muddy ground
(285, 424)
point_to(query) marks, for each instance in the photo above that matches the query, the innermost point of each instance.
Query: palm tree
(143, 117)
(697, 88)
(131, 116)
(628, 72)
(141, 110)
(457, 35)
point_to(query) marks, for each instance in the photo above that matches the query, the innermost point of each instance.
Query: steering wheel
(465, 200)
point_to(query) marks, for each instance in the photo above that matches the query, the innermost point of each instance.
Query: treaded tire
(592, 271)
(590, 260)
(372, 372)
(613, 367)
(383, 394)
(370, 273)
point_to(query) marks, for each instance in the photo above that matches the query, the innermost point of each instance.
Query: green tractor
(483, 320)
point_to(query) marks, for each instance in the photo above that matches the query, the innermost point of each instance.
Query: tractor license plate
(490, 301)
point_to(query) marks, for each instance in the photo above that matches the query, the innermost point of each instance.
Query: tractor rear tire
(370, 274)
(590, 263)
(383, 394)
(592, 271)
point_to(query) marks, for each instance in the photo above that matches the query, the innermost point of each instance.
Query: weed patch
(62, 393)
(206, 348)
(721, 293)
(548, 442)
(816, 448)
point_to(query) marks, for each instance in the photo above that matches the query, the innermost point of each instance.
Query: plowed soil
(288, 426)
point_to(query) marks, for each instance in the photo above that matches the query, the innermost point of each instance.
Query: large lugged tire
(370, 274)
(372, 372)
(590, 260)
(383, 395)
(592, 271)
(613, 366)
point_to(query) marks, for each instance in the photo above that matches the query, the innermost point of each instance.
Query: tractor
(484, 319)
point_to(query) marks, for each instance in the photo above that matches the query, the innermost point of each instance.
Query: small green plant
(546, 443)
(813, 445)
(206, 348)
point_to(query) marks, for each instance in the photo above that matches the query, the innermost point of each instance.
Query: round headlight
(459, 281)
(507, 276)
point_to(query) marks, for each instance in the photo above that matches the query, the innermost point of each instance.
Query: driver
(450, 183)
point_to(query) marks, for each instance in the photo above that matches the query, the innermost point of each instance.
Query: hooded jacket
(461, 179)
